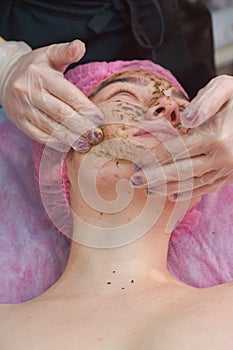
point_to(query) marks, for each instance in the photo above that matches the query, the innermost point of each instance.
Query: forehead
(136, 77)
(145, 77)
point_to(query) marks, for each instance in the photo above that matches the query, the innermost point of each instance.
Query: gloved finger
(189, 185)
(65, 115)
(53, 132)
(58, 110)
(62, 55)
(41, 137)
(157, 126)
(58, 86)
(190, 145)
(154, 176)
(208, 101)
(200, 191)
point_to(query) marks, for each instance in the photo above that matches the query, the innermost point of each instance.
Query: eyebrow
(135, 79)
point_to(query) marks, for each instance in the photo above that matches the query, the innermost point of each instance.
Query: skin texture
(123, 297)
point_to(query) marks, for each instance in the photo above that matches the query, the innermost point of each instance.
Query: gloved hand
(203, 162)
(41, 102)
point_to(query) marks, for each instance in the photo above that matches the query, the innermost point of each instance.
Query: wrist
(10, 51)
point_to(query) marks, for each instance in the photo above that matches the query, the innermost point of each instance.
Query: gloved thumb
(208, 102)
(62, 55)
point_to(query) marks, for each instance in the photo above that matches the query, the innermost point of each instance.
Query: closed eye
(123, 92)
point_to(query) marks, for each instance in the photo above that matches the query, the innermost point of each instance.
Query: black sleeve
(174, 33)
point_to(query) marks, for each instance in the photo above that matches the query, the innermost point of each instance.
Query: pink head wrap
(89, 75)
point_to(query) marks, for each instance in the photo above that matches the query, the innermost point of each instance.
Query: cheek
(182, 104)
(117, 131)
(94, 171)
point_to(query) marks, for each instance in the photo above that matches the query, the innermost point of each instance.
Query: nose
(168, 108)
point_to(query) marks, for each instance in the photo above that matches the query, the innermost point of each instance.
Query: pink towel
(202, 257)
(32, 254)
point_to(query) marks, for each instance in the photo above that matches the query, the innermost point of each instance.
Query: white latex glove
(41, 102)
(204, 163)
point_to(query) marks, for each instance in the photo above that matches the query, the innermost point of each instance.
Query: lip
(142, 132)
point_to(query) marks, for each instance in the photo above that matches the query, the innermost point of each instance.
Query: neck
(124, 270)
(123, 252)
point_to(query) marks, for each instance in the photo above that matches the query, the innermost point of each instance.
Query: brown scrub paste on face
(131, 115)
(124, 115)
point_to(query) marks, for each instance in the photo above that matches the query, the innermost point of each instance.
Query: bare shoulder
(222, 291)
(218, 298)
(14, 318)
(14, 325)
(6, 309)
(11, 314)
(7, 320)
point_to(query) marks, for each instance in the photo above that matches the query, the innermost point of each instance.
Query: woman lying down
(116, 291)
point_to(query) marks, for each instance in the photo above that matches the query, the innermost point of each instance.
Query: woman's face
(132, 101)
(144, 89)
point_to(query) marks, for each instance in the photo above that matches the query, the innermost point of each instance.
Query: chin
(110, 176)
